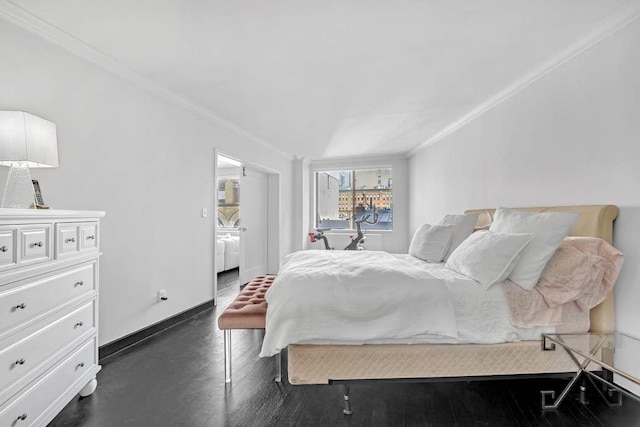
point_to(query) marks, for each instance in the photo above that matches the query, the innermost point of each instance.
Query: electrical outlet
(162, 295)
(205, 213)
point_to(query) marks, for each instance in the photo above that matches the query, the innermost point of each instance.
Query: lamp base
(18, 193)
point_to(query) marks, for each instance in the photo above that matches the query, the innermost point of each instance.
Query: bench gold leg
(227, 355)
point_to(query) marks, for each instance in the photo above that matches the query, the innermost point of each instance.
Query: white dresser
(48, 311)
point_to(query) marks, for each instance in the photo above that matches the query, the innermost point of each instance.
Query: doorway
(247, 203)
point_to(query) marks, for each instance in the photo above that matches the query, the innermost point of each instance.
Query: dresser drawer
(67, 239)
(26, 355)
(35, 243)
(28, 408)
(89, 236)
(28, 301)
(8, 252)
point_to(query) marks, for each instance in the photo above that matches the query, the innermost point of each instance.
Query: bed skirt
(318, 364)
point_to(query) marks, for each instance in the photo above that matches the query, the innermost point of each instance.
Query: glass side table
(615, 353)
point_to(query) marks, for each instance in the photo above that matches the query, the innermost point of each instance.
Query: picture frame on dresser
(38, 202)
(49, 287)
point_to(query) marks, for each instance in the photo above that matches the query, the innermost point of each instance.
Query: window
(345, 196)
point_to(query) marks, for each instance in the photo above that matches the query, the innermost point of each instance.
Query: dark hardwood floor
(176, 378)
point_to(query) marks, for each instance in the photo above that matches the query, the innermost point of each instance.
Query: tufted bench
(247, 311)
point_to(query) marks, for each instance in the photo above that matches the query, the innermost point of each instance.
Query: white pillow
(464, 226)
(548, 229)
(431, 243)
(488, 257)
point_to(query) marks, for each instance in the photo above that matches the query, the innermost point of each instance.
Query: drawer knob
(79, 324)
(71, 240)
(38, 244)
(22, 417)
(20, 362)
(79, 283)
(4, 249)
(21, 306)
(91, 237)
(81, 365)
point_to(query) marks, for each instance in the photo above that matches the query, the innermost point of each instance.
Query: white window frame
(364, 167)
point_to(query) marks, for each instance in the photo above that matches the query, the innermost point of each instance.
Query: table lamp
(26, 141)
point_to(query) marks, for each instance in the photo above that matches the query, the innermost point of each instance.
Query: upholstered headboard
(594, 221)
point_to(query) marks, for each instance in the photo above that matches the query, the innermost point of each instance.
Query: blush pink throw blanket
(582, 270)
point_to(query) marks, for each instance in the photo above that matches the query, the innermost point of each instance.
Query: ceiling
(331, 78)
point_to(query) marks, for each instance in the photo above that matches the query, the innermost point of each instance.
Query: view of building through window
(345, 196)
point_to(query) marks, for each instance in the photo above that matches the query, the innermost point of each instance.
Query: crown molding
(620, 19)
(11, 12)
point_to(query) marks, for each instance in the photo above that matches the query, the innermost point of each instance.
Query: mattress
(318, 364)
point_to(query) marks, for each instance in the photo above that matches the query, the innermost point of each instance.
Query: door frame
(273, 213)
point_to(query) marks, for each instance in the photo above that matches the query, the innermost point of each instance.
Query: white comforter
(350, 297)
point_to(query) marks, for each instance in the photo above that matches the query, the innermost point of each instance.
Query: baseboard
(113, 347)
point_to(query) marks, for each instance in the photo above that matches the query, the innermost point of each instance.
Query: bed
(227, 252)
(335, 364)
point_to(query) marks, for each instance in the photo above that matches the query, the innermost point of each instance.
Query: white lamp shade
(27, 139)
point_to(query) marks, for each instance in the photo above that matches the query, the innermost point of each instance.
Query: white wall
(301, 203)
(396, 241)
(145, 161)
(572, 137)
